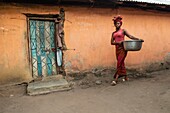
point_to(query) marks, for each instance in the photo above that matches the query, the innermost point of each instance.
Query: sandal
(113, 83)
(125, 79)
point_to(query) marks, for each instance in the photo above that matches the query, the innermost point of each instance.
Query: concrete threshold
(48, 86)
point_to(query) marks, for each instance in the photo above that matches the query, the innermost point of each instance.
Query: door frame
(45, 17)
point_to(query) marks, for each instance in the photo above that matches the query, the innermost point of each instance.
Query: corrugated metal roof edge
(149, 2)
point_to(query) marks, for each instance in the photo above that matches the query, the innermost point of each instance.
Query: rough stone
(98, 82)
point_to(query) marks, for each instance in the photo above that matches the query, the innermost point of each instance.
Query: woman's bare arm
(130, 36)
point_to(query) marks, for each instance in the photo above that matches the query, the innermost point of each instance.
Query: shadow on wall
(161, 65)
(12, 80)
(109, 71)
(156, 67)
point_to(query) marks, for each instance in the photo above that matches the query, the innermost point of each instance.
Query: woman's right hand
(119, 43)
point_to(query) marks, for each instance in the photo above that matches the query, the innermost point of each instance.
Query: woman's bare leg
(114, 82)
(116, 79)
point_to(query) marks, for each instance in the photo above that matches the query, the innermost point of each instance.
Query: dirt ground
(149, 93)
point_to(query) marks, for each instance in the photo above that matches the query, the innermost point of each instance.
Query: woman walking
(117, 40)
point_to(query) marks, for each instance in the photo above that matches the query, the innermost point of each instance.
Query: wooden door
(42, 47)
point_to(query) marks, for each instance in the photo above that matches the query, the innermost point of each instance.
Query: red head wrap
(117, 19)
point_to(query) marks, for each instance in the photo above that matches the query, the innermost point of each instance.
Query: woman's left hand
(141, 40)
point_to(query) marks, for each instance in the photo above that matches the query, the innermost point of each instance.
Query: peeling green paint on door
(42, 44)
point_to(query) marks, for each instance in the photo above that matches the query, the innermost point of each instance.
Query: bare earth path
(141, 95)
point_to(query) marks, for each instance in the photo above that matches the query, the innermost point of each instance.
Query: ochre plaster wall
(14, 59)
(88, 30)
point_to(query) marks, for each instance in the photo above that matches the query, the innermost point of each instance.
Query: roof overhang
(142, 4)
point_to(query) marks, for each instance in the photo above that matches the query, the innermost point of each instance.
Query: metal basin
(132, 45)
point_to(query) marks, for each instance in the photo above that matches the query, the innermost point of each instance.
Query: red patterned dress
(121, 54)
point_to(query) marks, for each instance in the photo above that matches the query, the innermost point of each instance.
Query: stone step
(48, 86)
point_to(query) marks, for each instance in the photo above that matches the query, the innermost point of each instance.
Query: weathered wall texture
(88, 30)
(14, 58)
